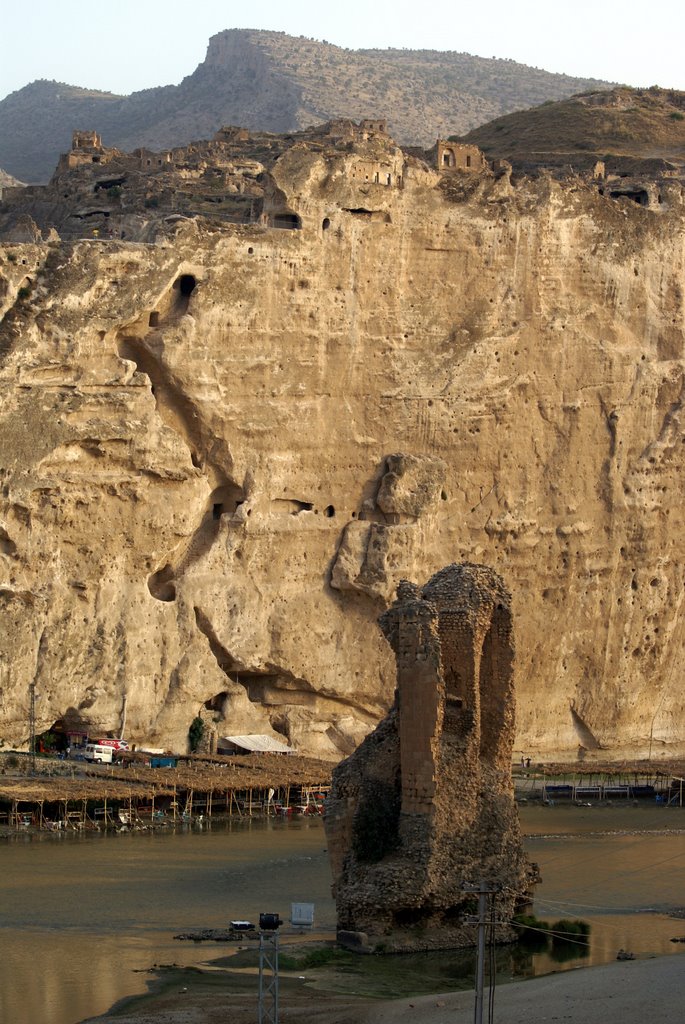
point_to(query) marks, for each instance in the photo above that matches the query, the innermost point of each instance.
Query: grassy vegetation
(566, 939)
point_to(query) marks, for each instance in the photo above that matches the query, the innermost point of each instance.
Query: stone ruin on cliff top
(426, 802)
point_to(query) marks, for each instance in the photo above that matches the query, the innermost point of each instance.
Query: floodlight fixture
(269, 922)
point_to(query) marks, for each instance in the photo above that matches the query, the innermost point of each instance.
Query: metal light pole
(268, 968)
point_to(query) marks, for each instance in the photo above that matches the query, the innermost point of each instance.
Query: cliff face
(222, 451)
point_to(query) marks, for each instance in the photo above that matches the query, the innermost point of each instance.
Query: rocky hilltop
(250, 385)
(276, 82)
(619, 126)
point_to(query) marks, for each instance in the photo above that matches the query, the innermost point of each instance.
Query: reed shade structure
(630, 772)
(243, 783)
(676, 766)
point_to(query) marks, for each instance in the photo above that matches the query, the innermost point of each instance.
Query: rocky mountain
(276, 82)
(226, 437)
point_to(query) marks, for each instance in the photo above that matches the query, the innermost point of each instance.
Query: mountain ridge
(275, 82)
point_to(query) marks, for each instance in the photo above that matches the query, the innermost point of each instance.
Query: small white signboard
(302, 915)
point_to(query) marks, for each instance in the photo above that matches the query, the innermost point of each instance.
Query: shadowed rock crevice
(180, 414)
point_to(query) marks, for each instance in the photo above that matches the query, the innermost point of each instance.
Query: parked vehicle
(115, 744)
(98, 753)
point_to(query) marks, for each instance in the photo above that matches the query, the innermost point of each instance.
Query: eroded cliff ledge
(224, 444)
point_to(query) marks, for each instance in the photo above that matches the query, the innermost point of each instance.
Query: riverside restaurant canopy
(254, 744)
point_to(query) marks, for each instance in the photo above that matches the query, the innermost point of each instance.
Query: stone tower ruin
(426, 802)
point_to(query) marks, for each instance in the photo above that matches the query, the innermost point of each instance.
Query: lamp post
(268, 968)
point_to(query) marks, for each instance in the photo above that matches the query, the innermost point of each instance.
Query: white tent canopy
(255, 744)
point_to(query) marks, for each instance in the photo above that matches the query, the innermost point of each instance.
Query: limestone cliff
(224, 445)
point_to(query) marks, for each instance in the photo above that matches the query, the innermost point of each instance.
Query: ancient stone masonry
(458, 156)
(426, 802)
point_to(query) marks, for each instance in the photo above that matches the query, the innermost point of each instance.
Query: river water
(82, 915)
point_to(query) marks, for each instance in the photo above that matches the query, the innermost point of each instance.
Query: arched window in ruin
(448, 159)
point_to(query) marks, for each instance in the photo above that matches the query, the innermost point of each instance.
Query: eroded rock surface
(223, 444)
(426, 803)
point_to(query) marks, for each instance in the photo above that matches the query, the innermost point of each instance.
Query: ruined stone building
(426, 803)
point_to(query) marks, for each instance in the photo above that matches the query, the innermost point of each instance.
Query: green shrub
(533, 933)
(567, 930)
(195, 733)
(24, 292)
(677, 116)
(569, 938)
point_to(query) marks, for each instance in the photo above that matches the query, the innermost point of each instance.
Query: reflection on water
(82, 914)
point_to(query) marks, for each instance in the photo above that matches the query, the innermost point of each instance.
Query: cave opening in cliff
(279, 724)
(66, 733)
(638, 195)
(224, 500)
(217, 702)
(105, 185)
(184, 286)
(290, 221)
(161, 584)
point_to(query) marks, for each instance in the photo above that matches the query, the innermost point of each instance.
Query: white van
(96, 752)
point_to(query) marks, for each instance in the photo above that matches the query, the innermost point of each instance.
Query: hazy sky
(125, 45)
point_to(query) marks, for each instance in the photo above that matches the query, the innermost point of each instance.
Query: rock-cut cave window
(287, 220)
(186, 285)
